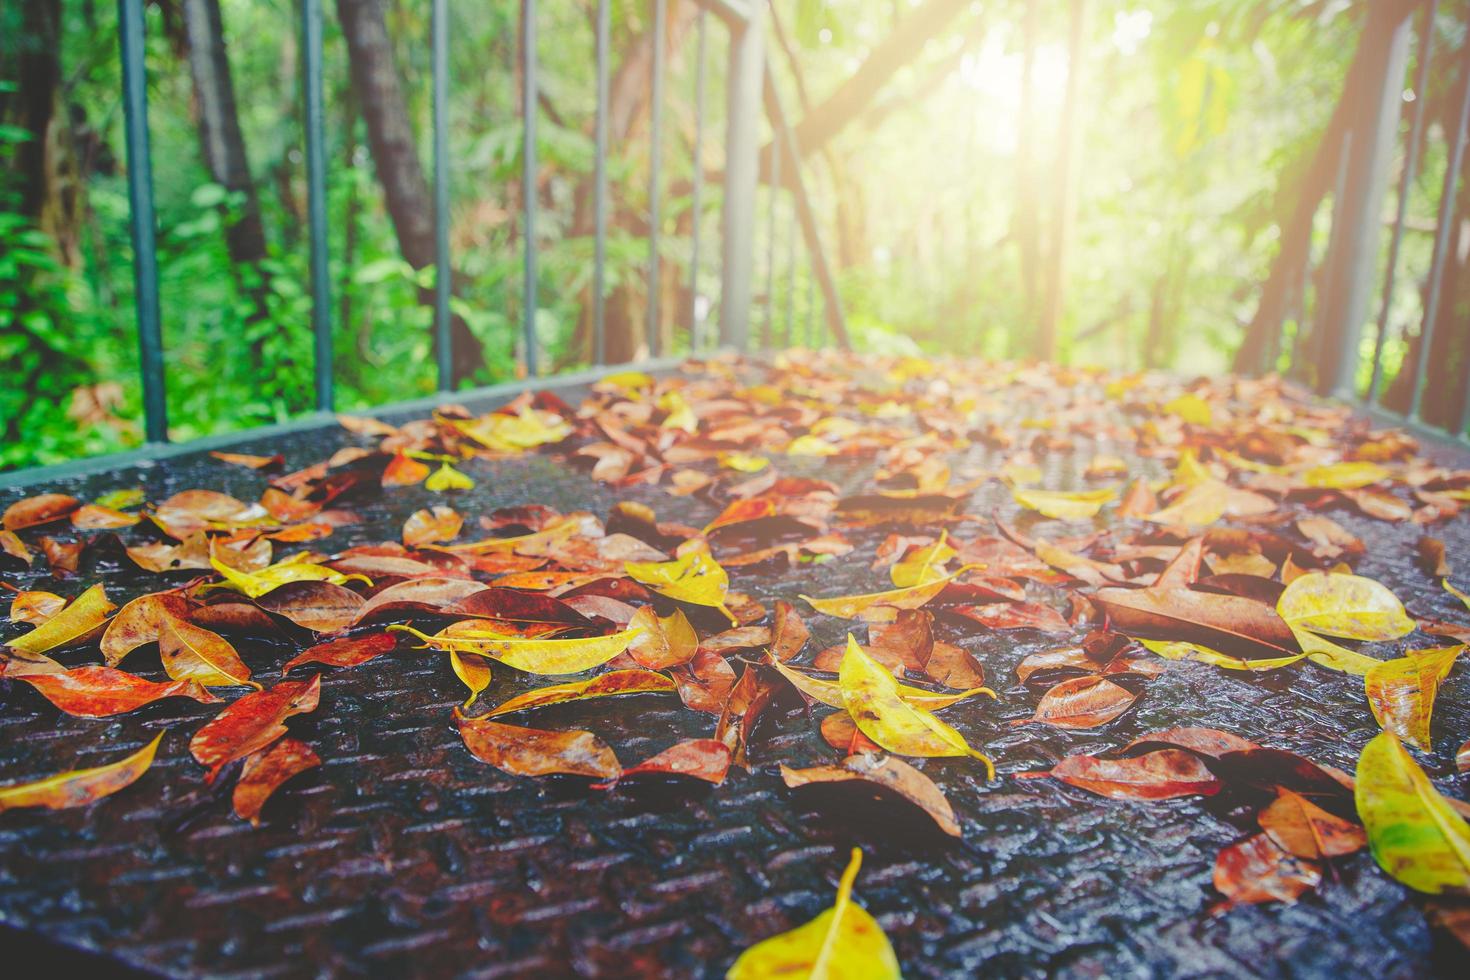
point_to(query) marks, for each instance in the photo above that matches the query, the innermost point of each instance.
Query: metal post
(1406, 183)
(696, 334)
(1456, 157)
(442, 269)
(316, 200)
(655, 127)
(742, 165)
(140, 214)
(528, 182)
(772, 199)
(599, 191)
(1354, 257)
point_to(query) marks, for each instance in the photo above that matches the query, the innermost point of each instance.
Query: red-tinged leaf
(351, 651)
(80, 787)
(740, 511)
(404, 471)
(1183, 568)
(666, 641)
(839, 732)
(319, 606)
(1462, 757)
(194, 653)
(705, 683)
(699, 758)
(429, 526)
(1082, 702)
(101, 692)
(35, 608)
(739, 638)
(232, 617)
(515, 606)
(424, 595)
(1015, 616)
(1302, 828)
(1230, 624)
(265, 771)
(537, 752)
(1138, 500)
(78, 622)
(788, 634)
(250, 461)
(252, 723)
(1201, 741)
(1268, 770)
(887, 773)
(40, 509)
(1160, 775)
(90, 517)
(1258, 870)
(1077, 658)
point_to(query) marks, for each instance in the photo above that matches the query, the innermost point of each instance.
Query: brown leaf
(35, 607)
(12, 545)
(842, 734)
(1230, 624)
(788, 634)
(194, 653)
(1258, 870)
(265, 771)
(351, 651)
(701, 758)
(64, 557)
(1202, 741)
(314, 605)
(705, 683)
(1304, 829)
(429, 526)
(667, 641)
(1161, 775)
(90, 517)
(1432, 556)
(252, 723)
(40, 509)
(888, 773)
(79, 787)
(1082, 702)
(101, 692)
(537, 752)
(1015, 616)
(138, 623)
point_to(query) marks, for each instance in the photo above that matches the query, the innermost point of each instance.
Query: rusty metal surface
(404, 856)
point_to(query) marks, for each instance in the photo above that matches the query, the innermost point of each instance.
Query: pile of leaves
(1217, 549)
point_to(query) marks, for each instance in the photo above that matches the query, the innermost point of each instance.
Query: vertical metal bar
(655, 151)
(1442, 238)
(696, 333)
(1327, 274)
(599, 190)
(1354, 258)
(140, 215)
(742, 173)
(773, 198)
(528, 181)
(442, 269)
(316, 200)
(1406, 182)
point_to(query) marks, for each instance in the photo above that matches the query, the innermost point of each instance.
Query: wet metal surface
(403, 855)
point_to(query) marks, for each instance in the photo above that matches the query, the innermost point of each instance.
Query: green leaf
(1415, 834)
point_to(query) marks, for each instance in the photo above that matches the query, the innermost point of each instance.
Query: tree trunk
(395, 156)
(1063, 196)
(32, 105)
(1027, 219)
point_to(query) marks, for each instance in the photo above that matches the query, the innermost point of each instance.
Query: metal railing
(749, 85)
(1328, 349)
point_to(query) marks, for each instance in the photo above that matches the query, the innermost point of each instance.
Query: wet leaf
(101, 692)
(473, 670)
(844, 941)
(40, 509)
(537, 752)
(80, 787)
(1415, 834)
(35, 608)
(258, 583)
(534, 656)
(403, 471)
(854, 606)
(1160, 775)
(138, 623)
(1303, 829)
(1233, 625)
(1065, 506)
(871, 697)
(1082, 702)
(830, 692)
(351, 651)
(76, 623)
(1348, 606)
(252, 723)
(788, 634)
(891, 774)
(1432, 556)
(1344, 476)
(699, 758)
(1179, 650)
(430, 526)
(193, 653)
(666, 641)
(265, 771)
(1257, 869)
(1401, 692)
(923, 565)
(705, 682)
(446, 477)
(695, 578)
(91, 517)
(604, 685)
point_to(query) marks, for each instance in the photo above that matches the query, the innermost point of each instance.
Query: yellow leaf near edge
(534, 656)
(1401, 692)
(1348, 606)
(844, 941)
(1414, 833)
(852, 606)
(1448, 587)
(78, 787)
(870, 695)
(473, 670)
(85, 613)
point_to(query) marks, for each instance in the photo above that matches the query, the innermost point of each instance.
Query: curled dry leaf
(350, 651)
(81, 618)
(1082, 702)
(604, 685)
(844, 941)
(79, 787)
(1401, 692)
(101, 692)
(265, 771)
(788, 634)
(537, 752)
(1415, 834)
(1159, 775)
(473, 671)
(1257, 869)
(252, 723)
(35, 607)
(699, 758)
(891, 774)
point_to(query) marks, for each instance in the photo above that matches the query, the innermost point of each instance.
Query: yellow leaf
(533, 656)
(1180, 650)
(924, 565)
(912, 597)
(80, 786)
(1064, 506)
(85, 614)
(680, 416)
(830, 692)
(1414, 832)
(1325, 653)
(1190, 470)
(696, 578)
(843, 942)
(612, 683)
(743, 462)
(1344, 476)
(871, 697)
(1401, 692)
(473, 670)
(1191, 408)
(1349, 606)
(258, 583)
(559, 530)
(1448, 587)
(810, 445)
(504, 433)
(193, 653)
(446, 477)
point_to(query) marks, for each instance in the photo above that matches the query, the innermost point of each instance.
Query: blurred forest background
(1120, 173)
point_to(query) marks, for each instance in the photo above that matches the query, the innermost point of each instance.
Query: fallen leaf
(1082, 702)
(81, 618)
(537, 752)
(265, 771)
(700, 758)
(35, 608)
(788, 633)
(1348, 606)
(666, 641)
(91, 517)
(430, 526)
(851, 607)
(446, 477)
(1415, 835)
(891, 774)
(252, 723)
(696, 578)
(101, 692)
(1257, 869)
(1231, 624)
(258, 583)
(1401, 692)
(193, 653)
(473, 670)
(138, 623)
(570, 656)
(604, 685)
(319, 606)
(1303, 829)
(40, 509)
(350, 651)
(1432, 556)
(79, 787)
(1160, 775)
